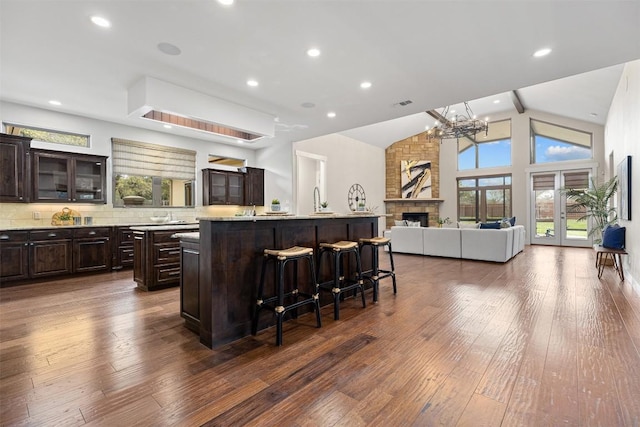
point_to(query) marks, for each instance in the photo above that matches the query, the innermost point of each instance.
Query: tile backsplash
(21, 215)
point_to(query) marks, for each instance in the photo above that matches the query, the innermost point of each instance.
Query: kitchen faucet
(316, 200)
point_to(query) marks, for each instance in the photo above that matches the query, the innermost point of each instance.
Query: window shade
(576, 180)
(544, 182)
(140, 158)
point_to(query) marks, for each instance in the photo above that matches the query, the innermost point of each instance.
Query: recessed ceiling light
(313, 52)
(331, 114)
(239, 141)
(101, 22)
(169, 49)
(594, 114)
(252, 83)
(496, 101)
(226, 2)
(167, 126)
(54, 102)
(365, 85)
(542, 52)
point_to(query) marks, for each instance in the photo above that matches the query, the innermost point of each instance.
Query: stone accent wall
(417, 147)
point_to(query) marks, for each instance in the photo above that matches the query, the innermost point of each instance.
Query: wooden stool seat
(294, 297)
(339, 284)
(339, 246)
(376, 273)
(294, 251)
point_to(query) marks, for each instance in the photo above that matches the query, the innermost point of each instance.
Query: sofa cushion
(490, 226)
(613, 237)
(484, 245)
(407, 240)
(442, 242)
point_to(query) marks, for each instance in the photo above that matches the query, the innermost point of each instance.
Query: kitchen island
(230, 262)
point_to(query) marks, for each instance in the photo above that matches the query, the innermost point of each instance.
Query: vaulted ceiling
(432, 53)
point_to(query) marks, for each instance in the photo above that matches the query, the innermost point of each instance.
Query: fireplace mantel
(413, 200)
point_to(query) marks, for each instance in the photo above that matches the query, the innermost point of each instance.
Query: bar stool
(276, 303)
(375, 274)
(339, 284)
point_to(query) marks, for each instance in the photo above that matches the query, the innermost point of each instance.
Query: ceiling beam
(516, 101)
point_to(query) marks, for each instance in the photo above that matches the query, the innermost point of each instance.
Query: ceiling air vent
(403, 103)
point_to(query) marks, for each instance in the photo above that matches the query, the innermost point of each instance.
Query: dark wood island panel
(231, 258)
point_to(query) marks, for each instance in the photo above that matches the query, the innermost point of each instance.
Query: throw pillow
(490, 225)
(400, 223)
(512, 221)
(413, 223)
(466, 225)
(505, 223)
(613, 237)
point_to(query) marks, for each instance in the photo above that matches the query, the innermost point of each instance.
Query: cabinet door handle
(92, 233)
(51, 235)
(173, 253)
(4, 237)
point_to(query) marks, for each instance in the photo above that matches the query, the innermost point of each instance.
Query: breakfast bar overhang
(230, 262)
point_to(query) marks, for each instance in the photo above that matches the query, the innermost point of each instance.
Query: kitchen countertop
(49, 227)
(165, 227)
(281, 216)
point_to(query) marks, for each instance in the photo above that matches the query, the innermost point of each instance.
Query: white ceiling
(434, 53)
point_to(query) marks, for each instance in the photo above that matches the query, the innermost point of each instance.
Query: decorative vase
(275, 208)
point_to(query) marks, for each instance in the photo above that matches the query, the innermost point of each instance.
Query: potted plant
(275, 205)
(324, 206)
(443, 221)
(595, 203)
(361, 206)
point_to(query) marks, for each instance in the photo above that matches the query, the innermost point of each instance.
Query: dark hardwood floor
(539, 341)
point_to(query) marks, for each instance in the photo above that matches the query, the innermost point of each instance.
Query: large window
(48, 135)
(553, 143)
(482, 199)
(489, 150)
(149, 175)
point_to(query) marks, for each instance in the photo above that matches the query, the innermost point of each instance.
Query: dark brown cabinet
(157, 257)
(222, 187)
(14, 255)
(91, 249)
(233, 188)
(254, 187)
(54, 252)
(190, 283)
(68, 177)
(123, 247)
(14, 168)
(50, 253)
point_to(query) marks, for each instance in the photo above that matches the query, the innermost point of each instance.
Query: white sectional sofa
(499, 245)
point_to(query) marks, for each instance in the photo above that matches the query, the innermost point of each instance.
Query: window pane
(133, 190)
(545, 206)
(491, 181)
(47, 135)
(467, 159)
(467, 206)
(493, 154)
(498, 204)
(553, 143)
(467, 183)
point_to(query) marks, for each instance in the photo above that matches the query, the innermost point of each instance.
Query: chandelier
(457, 126)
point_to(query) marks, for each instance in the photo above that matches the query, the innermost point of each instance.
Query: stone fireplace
(417, 147)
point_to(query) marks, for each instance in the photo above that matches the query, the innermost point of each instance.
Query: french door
(554, 219)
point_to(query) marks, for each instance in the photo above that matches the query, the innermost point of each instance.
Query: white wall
(349, 162)
(622, 138)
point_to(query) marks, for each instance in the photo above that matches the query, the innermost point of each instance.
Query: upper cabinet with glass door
(68, 177)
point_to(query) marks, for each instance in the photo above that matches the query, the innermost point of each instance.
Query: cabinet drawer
(165, 237)
(13, 236)
(52, 234)
(125, 236)
(164, 253)
(92, 232)
(168, 274)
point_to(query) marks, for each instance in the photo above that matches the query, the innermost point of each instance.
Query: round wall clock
(356, 197)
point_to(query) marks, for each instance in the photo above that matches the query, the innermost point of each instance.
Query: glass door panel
(52, 181)
(88, 180)
(555, 219)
